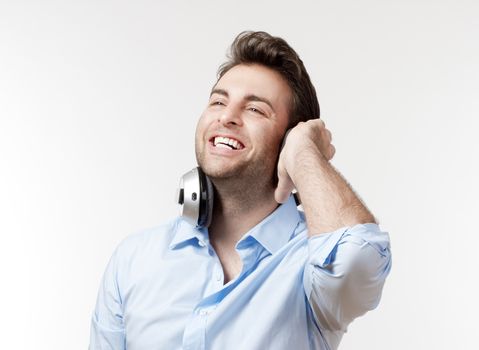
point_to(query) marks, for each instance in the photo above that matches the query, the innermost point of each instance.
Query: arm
(107, 329)
(328, 200)
(345, 273)
(349, 257)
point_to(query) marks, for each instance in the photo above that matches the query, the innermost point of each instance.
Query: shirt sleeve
(107, 330)
(345, 273)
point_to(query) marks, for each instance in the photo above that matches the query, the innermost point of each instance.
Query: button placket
(205, 312)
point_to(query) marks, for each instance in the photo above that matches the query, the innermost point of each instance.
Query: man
(262, 275)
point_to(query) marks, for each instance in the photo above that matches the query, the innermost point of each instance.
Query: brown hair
(273, 52)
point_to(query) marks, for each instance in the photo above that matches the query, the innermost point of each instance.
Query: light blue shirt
(163, 288)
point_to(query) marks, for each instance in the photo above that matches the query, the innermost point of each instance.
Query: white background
(98, 106)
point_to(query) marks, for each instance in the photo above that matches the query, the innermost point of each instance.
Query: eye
(217, 103)
(256, 110)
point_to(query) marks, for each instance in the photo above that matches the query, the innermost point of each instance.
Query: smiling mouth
(226, 142)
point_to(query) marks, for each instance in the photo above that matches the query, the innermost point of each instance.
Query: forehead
(255, 79)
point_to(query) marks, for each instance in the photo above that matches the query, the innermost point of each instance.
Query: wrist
(304, 163)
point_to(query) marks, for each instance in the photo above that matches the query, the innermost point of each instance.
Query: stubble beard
(245, 182)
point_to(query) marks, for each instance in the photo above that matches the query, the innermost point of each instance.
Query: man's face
(240, 131)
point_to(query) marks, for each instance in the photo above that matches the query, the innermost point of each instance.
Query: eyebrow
(250, 97)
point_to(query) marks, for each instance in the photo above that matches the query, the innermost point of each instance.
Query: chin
(219, 168)
(218, 171)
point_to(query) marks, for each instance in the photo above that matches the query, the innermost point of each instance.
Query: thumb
(285, 185)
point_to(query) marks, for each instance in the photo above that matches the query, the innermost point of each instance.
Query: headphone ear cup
(209, 201)
(206, 199)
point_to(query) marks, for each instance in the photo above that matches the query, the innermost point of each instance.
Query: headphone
(195, 196)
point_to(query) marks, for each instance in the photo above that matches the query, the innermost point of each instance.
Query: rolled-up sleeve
(345, 273)
(107, 328)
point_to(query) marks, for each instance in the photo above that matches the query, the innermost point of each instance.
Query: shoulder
(152, 240)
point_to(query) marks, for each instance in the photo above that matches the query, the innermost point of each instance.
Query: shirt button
(204, 312)
(218, 277)
(201, 243)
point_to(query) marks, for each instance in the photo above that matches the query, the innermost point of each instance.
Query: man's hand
(308, 139)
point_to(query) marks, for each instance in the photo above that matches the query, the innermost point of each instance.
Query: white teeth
(219, 140)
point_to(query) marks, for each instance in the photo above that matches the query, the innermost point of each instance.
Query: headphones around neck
(195, 196)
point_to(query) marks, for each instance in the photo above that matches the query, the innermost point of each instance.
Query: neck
(238, 210)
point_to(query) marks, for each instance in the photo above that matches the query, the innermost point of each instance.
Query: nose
(230, 116)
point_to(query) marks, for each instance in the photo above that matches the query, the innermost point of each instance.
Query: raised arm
(349, 257)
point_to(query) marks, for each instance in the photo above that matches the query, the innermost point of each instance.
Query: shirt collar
(278, 227)
(273, 232)
(186, 232)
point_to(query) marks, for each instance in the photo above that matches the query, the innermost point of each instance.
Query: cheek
(268, 141)
(200, 128)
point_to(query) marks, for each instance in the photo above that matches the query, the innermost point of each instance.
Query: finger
(320, 123)
(285, 187)
(282, 192)
(332, 151)
(329, 136)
